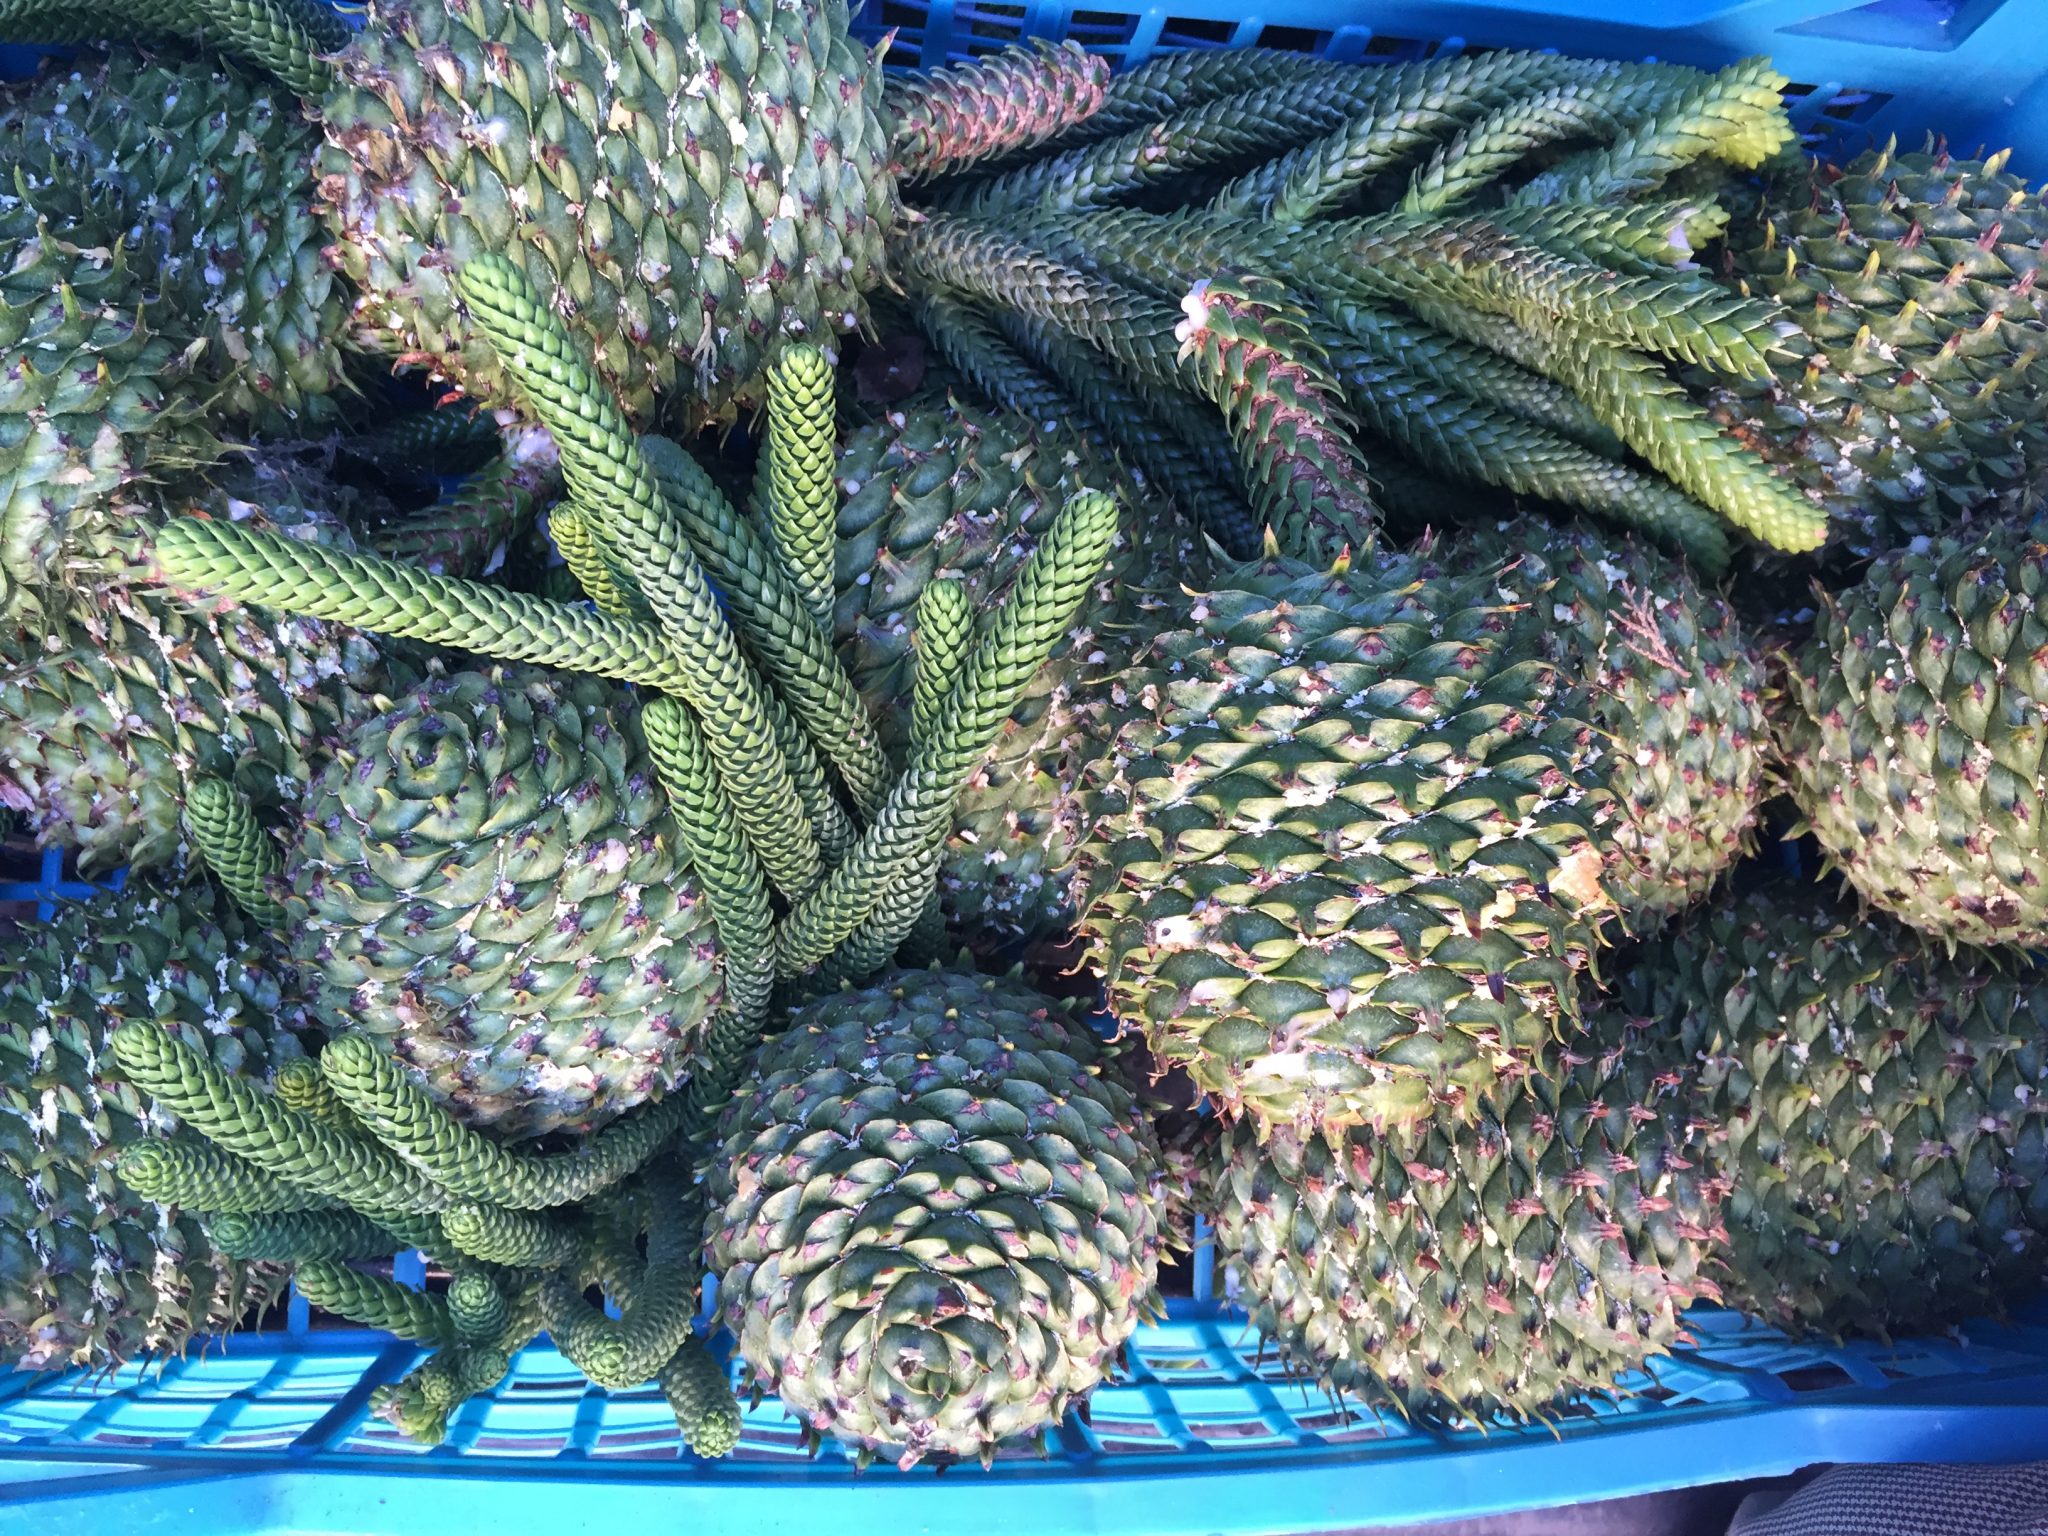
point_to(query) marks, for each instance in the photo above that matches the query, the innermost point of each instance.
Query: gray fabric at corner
(1904, 1501)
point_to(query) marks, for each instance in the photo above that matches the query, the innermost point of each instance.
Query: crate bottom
(271, 1434)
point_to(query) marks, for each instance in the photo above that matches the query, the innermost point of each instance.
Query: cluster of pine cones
(1342, 561)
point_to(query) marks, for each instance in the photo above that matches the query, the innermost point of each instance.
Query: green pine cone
(1917, 402)
(1910, 727)
(375, 1302)
(1468, 441)
(1464, 1270)
(477, 1308)
(487, 885)
(294, 1237)
(94, 1272)
(207, 176)
(1635, 397)
(595, 579)
(199, 557)
(1402, 123)
(427, 445)
(1674, 685)
(944, 120)
(693, 190)
(1873, 1101)
(1347, 862)
(196, 1175)
(101, 731)
(1170, 82)
(1502, 139)
(801, 494)
(772, 614)
(1014, 645)
(706, 1412)
(944, 635)
(890, 1302)
(967, 337)
(1242, 364)
(222, 825)
(1171, 438)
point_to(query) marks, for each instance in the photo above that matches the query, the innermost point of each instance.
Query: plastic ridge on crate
(272, 1432)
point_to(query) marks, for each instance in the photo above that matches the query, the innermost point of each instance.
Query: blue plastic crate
(270, 1432)
(1977, 69)
(52, 881)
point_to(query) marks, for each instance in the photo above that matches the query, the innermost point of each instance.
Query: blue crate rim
(1997, 1410)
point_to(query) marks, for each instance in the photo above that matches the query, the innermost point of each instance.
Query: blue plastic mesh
(1197, 1398)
